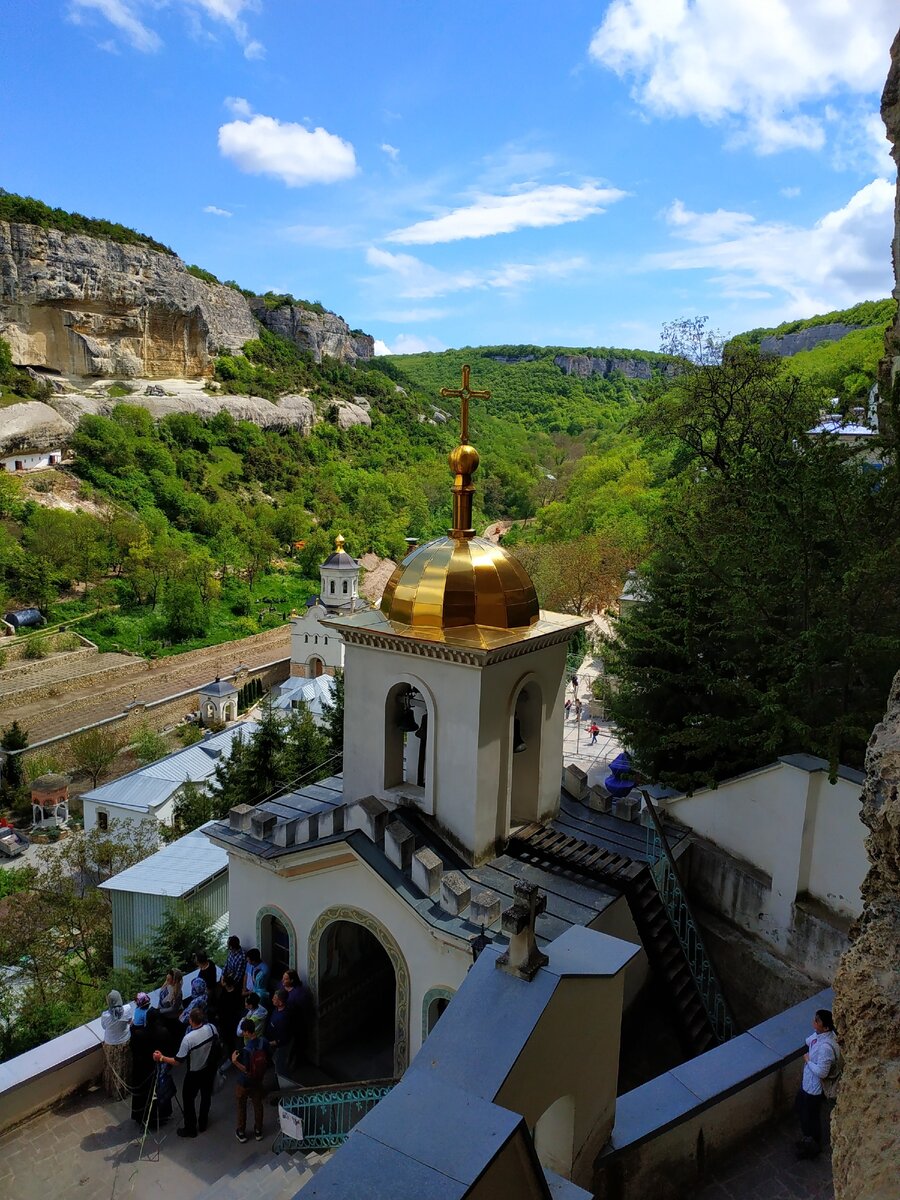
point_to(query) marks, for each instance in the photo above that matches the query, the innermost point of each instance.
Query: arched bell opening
(525, 734)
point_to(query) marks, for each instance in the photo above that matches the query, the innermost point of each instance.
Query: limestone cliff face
(91, 307)
(804, 339)
(586, 365)
(323, 334)
(866, 1124)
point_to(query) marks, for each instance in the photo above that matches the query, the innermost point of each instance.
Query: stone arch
(393, 753)
(263, 935)
(346, 912)
(315, 666)
(554, 1136)
(432, 997)
(523, 774)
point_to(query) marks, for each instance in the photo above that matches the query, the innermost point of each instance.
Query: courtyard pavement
(576, 738)
(85, 1149)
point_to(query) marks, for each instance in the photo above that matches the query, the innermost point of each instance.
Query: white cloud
(391, 151)
(532, 208)
(409, 343)
(295, 155)
(121, 14)
(790, 193)
(841, 259)
(129, 16)
(238, 106)
(418, 280)
(753, 64)
(217, 212)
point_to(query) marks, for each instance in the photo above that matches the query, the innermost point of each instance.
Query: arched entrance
(525, 757)
(554, 1136)
(314, 668)
(361, 984)
(276, 941)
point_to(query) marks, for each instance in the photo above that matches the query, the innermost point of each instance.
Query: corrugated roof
(311, 691)
(175, 870)
(151, 785)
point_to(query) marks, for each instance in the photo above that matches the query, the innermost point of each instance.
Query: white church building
(376, 884)
(316, 649)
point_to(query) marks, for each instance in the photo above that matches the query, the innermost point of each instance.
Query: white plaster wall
(162, 815)
(309, 638)
(838, 861)
(802, 831)
(469, 734)
(431, 960)
(30, 462)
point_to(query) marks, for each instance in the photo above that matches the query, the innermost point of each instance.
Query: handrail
(327, 1115)
(672, 892)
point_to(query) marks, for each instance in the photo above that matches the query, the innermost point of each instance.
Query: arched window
(345, 587)
(408, 753)
(331, 587)
(525, 757)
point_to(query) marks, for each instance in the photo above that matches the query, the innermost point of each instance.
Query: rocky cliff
(786, 344)
(866, 1122)
(85, 306)
(320, 333)
(585, 365)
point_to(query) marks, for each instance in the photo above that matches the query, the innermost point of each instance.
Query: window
(102, 821)
(345, 587)
(331, 587)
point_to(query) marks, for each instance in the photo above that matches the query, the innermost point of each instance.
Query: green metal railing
(671, 891)
(327, 1115)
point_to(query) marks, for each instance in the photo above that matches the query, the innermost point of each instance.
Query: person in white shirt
(115, 1021)
(194, 1051)
(817, 1064)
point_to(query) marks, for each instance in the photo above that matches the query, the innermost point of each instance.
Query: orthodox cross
(522, 957)
(464, 394)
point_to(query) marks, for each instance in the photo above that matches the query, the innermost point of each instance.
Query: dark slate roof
(608, 832)
(569, 902)
(340, 558)
(219, 687)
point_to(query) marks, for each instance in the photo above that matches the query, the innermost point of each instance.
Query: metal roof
(219, 687)
(175, 870)
(150, 786)
(313, 692)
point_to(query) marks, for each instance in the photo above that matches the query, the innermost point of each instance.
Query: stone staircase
(265, 1176)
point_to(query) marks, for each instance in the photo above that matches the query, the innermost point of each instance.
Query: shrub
(34, 648)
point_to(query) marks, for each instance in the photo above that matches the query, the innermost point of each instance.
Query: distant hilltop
(95, 300)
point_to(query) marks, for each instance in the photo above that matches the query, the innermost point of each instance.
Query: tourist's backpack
(257, 1067)
(832, 1080)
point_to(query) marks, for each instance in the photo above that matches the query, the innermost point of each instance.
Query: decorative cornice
(464, 656)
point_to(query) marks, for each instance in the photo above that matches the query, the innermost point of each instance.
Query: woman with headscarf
(115, 1021)
(199, 999)
(143, 1068)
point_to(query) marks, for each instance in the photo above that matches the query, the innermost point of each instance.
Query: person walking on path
(252, 1061)
(115, 1021)
(577, 710)
(594, 730)
(818, 1062)
(568, 707)
(574, 683)
(195, 1052)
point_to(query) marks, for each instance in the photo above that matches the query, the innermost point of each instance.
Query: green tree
(773, 624)
(14, 738)
(194, 806)
(184, 614)
(305, 751)
(148, 745)
(333, 716)
(94, 752)
(183, 930)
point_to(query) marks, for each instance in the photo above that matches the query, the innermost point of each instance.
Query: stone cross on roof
(522, 957)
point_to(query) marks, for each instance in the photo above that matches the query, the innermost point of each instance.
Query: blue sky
(456, 173)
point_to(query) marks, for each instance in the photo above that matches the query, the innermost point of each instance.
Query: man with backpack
(252, 1061)
(200, 1054)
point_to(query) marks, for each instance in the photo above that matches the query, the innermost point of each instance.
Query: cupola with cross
(455, 686)
(339, 578)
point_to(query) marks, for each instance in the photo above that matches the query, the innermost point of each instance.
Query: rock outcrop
(786, 344)
(322, 334)
(87, 306)
(586, 365)
(866, 1122)
(32, 425)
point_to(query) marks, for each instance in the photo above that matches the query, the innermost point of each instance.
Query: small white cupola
(339, 578)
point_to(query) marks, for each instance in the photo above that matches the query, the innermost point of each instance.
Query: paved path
(82, 1150)
(576, 740)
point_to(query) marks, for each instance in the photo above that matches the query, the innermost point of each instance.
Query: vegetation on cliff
(24, 210)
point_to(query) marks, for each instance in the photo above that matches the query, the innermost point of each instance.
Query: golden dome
(457, 581)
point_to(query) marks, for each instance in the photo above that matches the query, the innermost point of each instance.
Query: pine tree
(333, 716)
(306, 751)
(14, 738)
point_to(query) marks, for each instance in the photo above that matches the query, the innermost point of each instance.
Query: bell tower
(455, 687)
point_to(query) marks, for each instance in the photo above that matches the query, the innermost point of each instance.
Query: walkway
(767, 1168)
(576, 740)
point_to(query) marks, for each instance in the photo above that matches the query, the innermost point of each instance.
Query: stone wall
(866, 1124)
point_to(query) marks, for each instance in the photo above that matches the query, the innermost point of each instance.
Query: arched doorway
(361, 983)
(276, 942)
(314, 668)
(527, 726)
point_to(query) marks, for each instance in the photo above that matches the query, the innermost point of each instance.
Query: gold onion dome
(461, 580)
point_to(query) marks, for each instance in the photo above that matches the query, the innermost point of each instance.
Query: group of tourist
(232, 1018)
